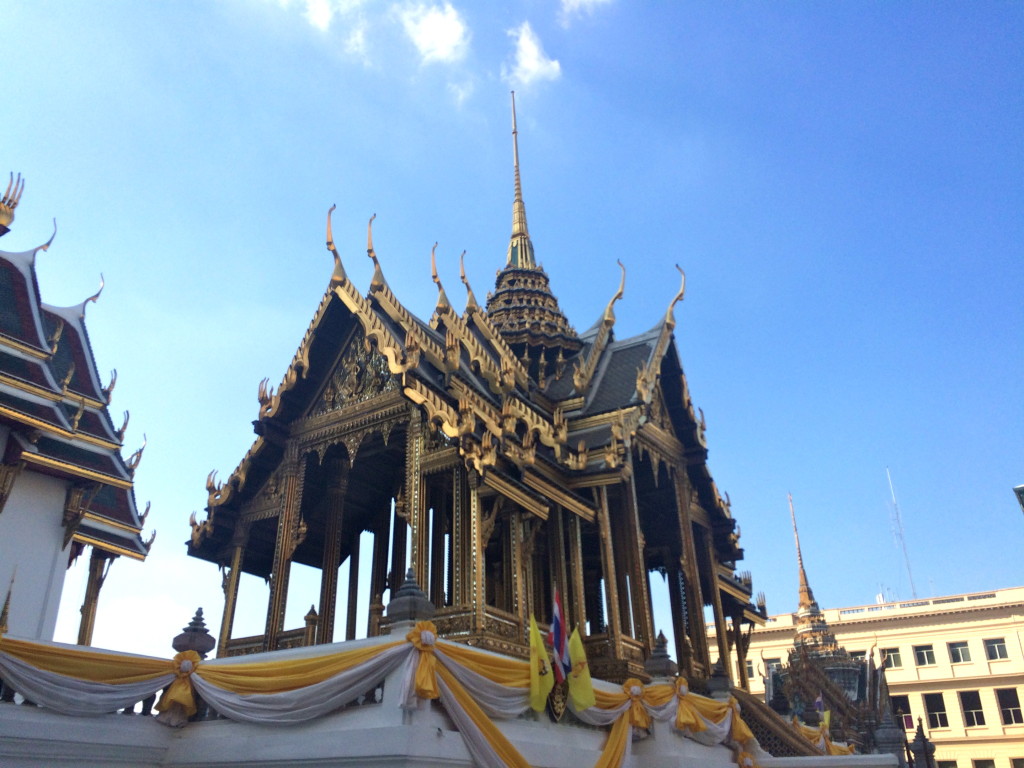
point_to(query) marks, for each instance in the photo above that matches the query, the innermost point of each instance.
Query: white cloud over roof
(438, 31)
(572, 8)
(530, 63)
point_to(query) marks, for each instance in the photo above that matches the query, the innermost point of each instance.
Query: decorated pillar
(578, 603)
(691, 577)
(290, 533)
(640, 592)
(721, 628)
(609, 572)
(99, 566)
(477, 586)
(379, 566)
(336, 490)
(229, 584)
(414, 498)
(353, 588)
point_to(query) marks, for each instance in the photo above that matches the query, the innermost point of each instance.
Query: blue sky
(843, 184)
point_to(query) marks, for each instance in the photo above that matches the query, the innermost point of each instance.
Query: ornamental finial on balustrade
(409, 603)
(195, 637)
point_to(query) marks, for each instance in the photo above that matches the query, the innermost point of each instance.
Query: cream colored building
(957, 662)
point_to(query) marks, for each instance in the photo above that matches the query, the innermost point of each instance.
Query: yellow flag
(541, 678)
(581, 690)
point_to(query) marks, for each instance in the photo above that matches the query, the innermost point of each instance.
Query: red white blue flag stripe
(559, 639)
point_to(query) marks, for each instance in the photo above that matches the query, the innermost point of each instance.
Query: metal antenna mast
(897, 523)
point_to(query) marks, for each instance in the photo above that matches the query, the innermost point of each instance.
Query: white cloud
(530, 62)
(461, 91)
(355, 41)
(572, 8)
(437, 31)
(320, 13)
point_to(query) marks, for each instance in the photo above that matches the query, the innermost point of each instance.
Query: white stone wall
(31, 535)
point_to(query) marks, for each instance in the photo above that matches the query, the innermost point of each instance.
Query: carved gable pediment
(359, 375)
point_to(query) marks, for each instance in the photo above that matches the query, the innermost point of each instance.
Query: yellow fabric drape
(94, 666)
(180, 691)
(287, 674)
(502, 746)
(741, 732)
(615, 747)
(423, 636)
(514, 673)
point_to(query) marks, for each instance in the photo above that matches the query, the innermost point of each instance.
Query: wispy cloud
(571, 8)
(438, 31)
(529, 63)
(320, 13)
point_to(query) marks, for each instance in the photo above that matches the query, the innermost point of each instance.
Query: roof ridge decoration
(583, 374)
(647, 375)
(9, 201)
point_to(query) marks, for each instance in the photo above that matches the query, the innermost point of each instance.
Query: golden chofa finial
(609, 313)
(339, 275)
(378, 281)
(442, 298)
(470, 298)
(669, 317)
(95, 297)
(369, 239)
(10, 200)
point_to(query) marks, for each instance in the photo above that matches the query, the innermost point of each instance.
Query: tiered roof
(532, 406)
(52, 399)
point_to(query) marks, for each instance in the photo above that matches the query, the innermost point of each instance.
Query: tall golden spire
(520, 249)
(806, 596)
(811, 628)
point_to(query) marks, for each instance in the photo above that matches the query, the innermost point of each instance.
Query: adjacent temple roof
(53, 401)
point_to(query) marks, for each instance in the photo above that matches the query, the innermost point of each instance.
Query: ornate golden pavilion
(507, 453)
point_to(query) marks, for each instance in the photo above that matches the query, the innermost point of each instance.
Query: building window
(970, 702)
(983, 763)
(770, 665)
(958, 652)
(1017, 762)
(901, 709)
(858, 654)
(936, 709)
(1009, 706)
(750, 669)
(945, 764)
(924, 656)
(995, 649)
(892, 658)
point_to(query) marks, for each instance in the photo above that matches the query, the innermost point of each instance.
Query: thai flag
(559, 640)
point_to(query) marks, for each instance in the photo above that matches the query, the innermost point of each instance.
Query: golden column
(414, 498)
(353, 588)
(230, 586)
(332, 549)
(721, 628)
(691, 577)
(614, 621)
(643, 621)
(99, 566)
(289, 536)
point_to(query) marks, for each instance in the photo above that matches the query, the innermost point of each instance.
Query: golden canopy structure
(506, 453)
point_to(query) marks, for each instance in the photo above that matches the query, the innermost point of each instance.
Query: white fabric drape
(72, 696)
(306, 703)
(498, 701)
